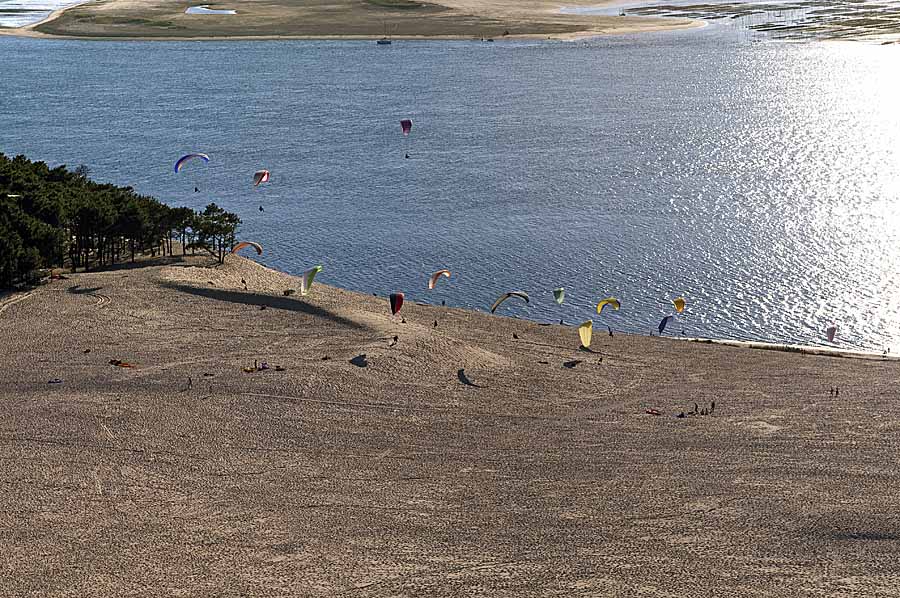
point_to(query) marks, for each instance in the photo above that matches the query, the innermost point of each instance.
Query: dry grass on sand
(389, 476)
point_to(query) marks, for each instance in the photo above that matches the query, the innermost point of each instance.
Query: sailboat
(386, 40)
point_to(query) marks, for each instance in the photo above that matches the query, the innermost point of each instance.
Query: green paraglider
(306, 280)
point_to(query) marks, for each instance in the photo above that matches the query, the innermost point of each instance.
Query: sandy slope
(397, 479)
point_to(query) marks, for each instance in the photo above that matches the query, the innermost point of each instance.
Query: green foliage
(56, 217)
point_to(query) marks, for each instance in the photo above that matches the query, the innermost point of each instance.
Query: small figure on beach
(190, 383)
(196, 190)
(407, 156)
(261, 209)
(610, 330)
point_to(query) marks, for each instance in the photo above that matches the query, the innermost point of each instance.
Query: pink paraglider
(406, 125)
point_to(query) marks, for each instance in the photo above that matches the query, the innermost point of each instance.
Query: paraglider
(505, 296)
(306, 280)
(679, 304)
(830, 332)
(259, 177)
(243, 244)
(586, 331)
(187, 158)
(663, 322)
(406, 126)
(559, 295)
(434, 278)
(610, 301)
(396, 302)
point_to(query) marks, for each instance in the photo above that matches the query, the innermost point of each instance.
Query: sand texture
(460, 461)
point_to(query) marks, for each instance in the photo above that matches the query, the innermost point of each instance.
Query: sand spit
(456, 460)
(338, 19)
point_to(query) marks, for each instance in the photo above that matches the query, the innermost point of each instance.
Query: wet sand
(458, 461)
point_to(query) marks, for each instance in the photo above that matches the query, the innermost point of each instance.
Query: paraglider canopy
(434, 277)
(830, 332)
(505, 296)
(586, 331)
(663, 322)
(306, 280)
(406, 126)
(396, 302)
(679, 304)
(243, 244)
(187, 158)
(260, 176)
(559, 295)
(610, 301)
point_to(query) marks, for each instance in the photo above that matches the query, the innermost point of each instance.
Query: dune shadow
(867, 535)
(267, 301)
(146, 262)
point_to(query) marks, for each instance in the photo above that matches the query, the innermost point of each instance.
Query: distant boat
(386, 40)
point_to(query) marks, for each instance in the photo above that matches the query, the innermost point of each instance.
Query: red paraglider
(406, 125)
(396, 302)
(259, 177)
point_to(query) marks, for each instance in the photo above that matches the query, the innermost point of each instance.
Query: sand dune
(390, 477)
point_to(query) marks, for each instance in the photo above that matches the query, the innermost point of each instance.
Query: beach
(449, 452)
(343, 19)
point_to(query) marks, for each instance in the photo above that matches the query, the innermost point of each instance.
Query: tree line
(55, 217)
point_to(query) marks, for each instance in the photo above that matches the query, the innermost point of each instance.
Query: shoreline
(9, 298)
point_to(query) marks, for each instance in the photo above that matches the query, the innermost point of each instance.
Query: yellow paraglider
(679, 304)
(610, 301)
(586, 331)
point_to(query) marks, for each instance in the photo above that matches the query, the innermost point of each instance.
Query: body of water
(759, 180)
(18, 13)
